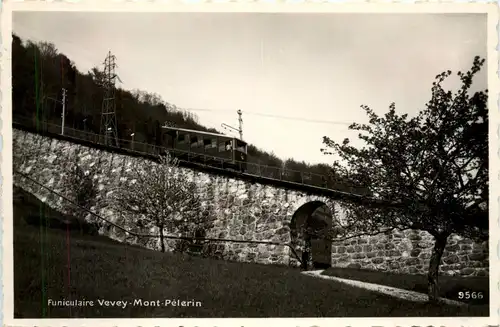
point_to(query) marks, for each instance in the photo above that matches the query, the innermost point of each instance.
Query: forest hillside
(39, 72)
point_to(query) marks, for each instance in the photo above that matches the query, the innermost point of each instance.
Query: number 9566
(470, 295)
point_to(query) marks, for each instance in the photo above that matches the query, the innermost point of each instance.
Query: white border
(264, 6)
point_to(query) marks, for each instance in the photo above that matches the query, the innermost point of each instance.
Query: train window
(166, 139)
(207, 143)
(181, 139)
(229, 145)
(210, 143)
(222, 146)
(241, 146)
(194, 141)
(200, 141)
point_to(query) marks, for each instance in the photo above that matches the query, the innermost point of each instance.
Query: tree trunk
(437, 252)
(162, 241)
(306, 255)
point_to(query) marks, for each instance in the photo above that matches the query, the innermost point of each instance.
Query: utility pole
(240, 120)
(63, 110)
(108, 112)
(239, 130)
(63, 103)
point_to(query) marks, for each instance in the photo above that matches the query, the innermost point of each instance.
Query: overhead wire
(308, 120)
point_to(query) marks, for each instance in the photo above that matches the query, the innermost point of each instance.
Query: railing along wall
(258, 170)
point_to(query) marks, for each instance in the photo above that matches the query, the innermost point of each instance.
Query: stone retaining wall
(409, 252)
(242, 211)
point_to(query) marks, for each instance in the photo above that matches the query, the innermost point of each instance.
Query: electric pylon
(108, 113)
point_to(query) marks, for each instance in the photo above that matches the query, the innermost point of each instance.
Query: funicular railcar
(204, 147)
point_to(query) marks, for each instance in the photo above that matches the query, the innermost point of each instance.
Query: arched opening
(309, 229)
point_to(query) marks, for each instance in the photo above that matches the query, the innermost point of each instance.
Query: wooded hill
(39, 72)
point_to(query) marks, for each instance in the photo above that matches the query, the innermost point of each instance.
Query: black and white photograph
(250, 164)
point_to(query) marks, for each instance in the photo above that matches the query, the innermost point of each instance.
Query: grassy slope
(104, 269)
(448, 286)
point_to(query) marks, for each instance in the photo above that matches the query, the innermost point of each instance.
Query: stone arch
(312, 215)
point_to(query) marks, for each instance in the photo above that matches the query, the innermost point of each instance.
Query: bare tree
(161, 196)
(81, 188)
(97, 75)
(47, 50)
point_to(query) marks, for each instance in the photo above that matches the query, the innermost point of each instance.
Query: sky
(318, 68)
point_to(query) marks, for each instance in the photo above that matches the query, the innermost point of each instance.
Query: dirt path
(392, 291)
